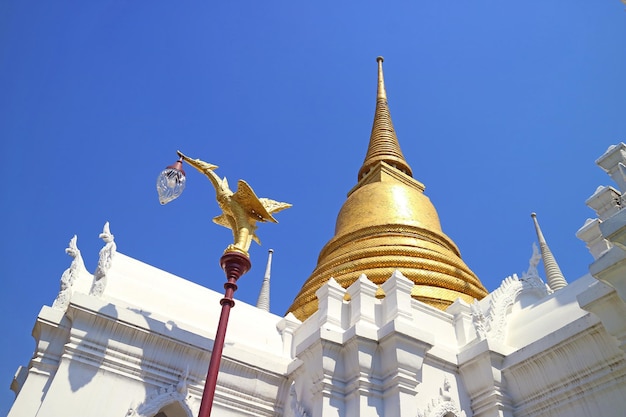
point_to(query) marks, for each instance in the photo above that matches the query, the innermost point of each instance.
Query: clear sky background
(501, 109)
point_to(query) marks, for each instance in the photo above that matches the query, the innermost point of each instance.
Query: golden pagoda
(388, 224)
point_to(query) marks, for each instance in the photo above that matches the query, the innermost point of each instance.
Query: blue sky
(501, 109)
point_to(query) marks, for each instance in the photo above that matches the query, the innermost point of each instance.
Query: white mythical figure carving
(533, 262)
(296, 407)
(69, 276)
(444, 392)
(444, 406)
(104, 262)
(161, 397)
(531, 279)
(478, 320)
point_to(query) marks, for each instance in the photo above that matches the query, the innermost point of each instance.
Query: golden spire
(388, 224)
(383, 144)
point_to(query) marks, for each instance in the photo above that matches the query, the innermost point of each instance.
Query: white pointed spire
(554, 276)
(263, 302)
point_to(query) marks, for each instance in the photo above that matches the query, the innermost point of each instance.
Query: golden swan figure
(241, 210)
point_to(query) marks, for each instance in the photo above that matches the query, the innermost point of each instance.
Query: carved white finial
(554, 276)
(106, 234)
(263, 302)
(104, 262)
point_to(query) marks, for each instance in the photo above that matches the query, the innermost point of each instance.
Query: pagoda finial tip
(381, 82)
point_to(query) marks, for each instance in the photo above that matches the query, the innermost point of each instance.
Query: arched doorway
(172, 410)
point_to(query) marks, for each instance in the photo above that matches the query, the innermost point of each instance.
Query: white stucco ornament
(69, 276)
(505, 296)
(297, 408)
(493, 323)
(478, 320)
(533, 262)
(164, 396)
(104, 262)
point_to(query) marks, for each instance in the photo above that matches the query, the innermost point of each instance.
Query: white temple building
(390, 323)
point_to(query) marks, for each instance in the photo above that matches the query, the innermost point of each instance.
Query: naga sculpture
(69, 276)
(241, 210)
(104, 261)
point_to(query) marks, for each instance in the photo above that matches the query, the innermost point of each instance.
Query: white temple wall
(85, 391)
(50, 333)
(133, 350)
(583, 367)
(352, 358)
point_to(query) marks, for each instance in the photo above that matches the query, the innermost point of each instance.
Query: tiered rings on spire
(383, 144)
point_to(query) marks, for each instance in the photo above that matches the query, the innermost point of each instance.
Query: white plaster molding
(612, 162)
(286, 327)
(605, 201)
(161, 397)
(360, 369)
(321, 377)
(362, 301)
(401, 363)
(104, 262)
(463, 321)
(50, 332)
(609, 268)
(69, 276)
(480, 366)
(591, 234)
(614, 229)
(397, 302)
(603, 301)
(331, 302)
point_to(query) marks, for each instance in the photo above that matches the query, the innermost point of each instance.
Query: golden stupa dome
(388, 224)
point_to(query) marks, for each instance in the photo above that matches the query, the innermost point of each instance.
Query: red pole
(234, 264)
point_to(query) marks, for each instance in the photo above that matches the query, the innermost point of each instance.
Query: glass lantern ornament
(171, 182)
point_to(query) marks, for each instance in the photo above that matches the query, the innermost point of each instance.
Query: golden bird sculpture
(241, 210)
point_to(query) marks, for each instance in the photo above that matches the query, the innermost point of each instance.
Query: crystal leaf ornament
(171, 182)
